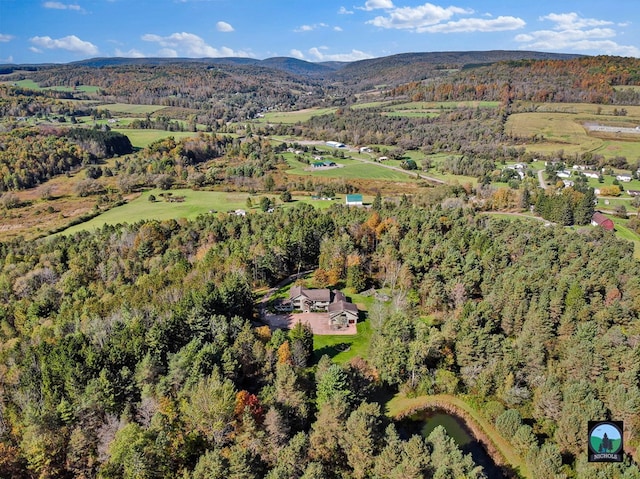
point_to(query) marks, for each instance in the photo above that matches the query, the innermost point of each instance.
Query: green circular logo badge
(605, 438)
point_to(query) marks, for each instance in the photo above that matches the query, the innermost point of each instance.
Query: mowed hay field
(143, 138)
(195, 203)
(293, 117)
(563, 129)
(348, 169)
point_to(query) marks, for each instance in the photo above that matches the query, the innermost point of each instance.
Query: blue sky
(37, 31)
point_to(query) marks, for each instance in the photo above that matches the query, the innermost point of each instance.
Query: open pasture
(133, 109)
(31, 85)
(565, 131)
(293, 117)
(143, 138)
(195, 203)
(443, 105)
(350, 169)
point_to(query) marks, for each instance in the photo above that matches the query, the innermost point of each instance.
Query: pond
(425, 422)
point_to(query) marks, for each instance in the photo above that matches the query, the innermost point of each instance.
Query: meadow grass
(132, 109)
(143, 138)
(412, 114)
(32, 85)
(194, 204)
(561, 125)
(443, 105)
(372, 104)
(351, 169)
(292, 117)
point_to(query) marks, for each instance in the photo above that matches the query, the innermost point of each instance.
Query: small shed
(354, 200)
(598, 219)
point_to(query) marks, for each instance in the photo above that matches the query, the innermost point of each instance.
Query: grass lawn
(342, 348)
(143, 138)
(625, 233)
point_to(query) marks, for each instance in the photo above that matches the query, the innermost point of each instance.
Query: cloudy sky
(36, 31)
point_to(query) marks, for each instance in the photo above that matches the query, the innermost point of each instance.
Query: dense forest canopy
(113, 340)
(137, 350)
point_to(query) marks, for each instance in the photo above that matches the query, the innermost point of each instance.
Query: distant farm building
(624, 178)
(601, 220)
(335, 144)
(354, 200)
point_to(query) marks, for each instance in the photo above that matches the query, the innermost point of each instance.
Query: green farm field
(292, 117)
(443, 105)
(561, 125)
(351, 169)
(195, 203)
(31, 85)
(132, 109)
(143, 138)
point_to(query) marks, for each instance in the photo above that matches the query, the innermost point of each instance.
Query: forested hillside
(587, 79)
(130, 352)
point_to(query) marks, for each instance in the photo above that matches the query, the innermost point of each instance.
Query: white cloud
(467, 25)
(70, 43)
(337, 29)
(317, 55)
(224, 27)
(417, 18)
(190, 45)
(63, 6)
(344, 11)
(573, 33)
(296, 54)
(9, 59)
(377, 4)
(572, 21)
(310, 28)
(133, 53)
(4, 37)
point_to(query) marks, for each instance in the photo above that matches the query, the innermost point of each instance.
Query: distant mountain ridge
(321, 69)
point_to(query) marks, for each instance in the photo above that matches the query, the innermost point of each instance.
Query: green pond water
(425, 422)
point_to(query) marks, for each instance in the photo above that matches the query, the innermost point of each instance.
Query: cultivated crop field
(561, 125)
